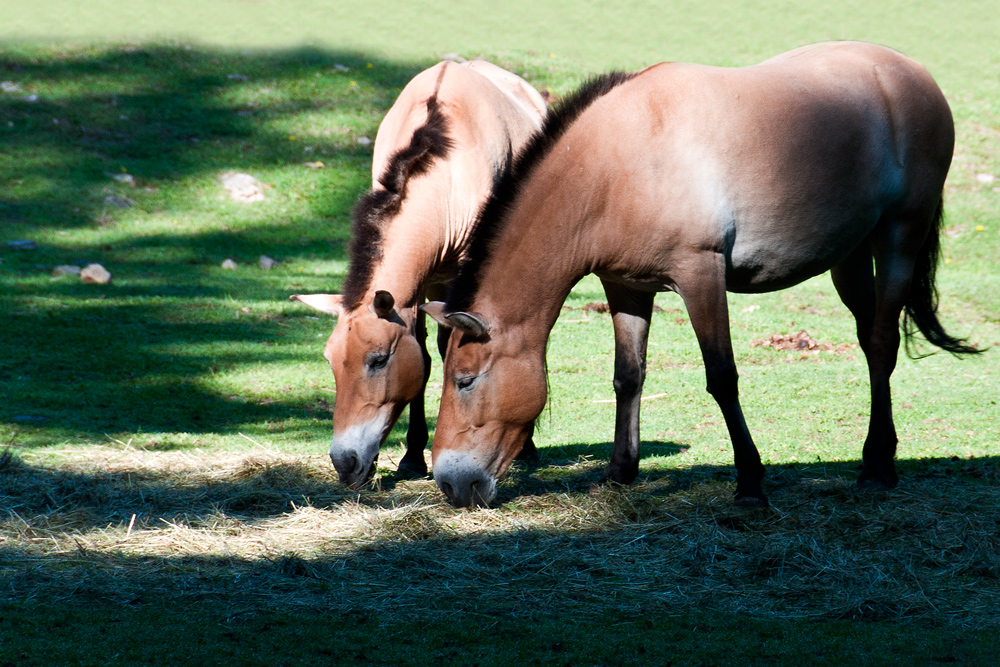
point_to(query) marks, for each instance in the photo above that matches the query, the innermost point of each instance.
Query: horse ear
(437, 312)
(469, 324)
(328, 303)
(382, 304)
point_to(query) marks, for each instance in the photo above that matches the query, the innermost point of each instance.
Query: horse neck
(547, 245)
(427, 236)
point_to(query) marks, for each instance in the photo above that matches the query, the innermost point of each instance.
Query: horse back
(488, 109)
(783, 166)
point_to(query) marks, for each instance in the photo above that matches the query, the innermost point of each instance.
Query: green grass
(139, 412)
(225, 637)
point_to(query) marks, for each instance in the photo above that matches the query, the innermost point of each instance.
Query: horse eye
(377, 361)
(464, 382)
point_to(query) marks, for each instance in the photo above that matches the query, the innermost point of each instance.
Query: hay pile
(271, 530)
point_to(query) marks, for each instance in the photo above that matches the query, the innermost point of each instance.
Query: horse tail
(920, 309)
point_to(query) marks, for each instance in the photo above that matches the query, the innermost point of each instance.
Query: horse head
(494, 389)
(378, 367)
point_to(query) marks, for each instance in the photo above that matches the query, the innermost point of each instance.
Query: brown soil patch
(801, 342)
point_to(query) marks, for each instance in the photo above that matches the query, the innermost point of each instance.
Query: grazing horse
(451, 132)
(700, 180)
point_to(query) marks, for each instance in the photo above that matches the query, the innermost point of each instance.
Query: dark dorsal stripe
(377, 206)
(493, 217)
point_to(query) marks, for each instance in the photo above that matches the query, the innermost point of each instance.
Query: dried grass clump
(270, 529)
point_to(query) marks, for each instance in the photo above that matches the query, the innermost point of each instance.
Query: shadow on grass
(278, 536)
(165, 113)
(140, 354)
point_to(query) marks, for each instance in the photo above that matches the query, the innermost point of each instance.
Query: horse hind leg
(898, 245)
(876, 314)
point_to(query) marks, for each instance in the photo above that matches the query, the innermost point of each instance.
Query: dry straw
(271, 530)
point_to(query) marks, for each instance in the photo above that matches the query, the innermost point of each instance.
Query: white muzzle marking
(355, 450)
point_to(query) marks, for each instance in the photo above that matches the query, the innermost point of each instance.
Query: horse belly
(795, 211)
(763, 263)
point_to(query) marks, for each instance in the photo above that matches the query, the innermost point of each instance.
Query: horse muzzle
(464, 481)
(355, 451)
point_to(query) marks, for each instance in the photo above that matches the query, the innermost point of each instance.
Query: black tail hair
(920, 309)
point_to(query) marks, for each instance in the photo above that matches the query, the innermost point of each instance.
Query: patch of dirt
(596, 307)
(801, 342)
(601, 307)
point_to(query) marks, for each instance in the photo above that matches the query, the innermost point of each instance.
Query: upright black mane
(429, 141)
(493, 217)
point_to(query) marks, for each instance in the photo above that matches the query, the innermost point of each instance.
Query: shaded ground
(270, 531)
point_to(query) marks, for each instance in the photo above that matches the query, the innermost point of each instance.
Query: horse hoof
(411, 469)
(618, 476)
(748, 502)
(871, 479)
(872, 485)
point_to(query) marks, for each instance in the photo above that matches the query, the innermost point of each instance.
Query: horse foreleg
(630, 312)
(704, 294)
(413, 462)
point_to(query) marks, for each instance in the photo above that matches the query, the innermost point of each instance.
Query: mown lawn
(164, 492)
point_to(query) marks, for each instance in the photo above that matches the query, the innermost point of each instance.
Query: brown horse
(438, 151)
(700, 180)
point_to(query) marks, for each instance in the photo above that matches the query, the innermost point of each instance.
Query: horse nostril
(345, 464)
(449, 491)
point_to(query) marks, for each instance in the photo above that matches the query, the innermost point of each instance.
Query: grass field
(165, 497)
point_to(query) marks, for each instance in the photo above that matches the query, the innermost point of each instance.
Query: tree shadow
(168, 113)
(671, 541)
(167, 121)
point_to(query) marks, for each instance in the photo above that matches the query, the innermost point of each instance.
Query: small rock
(95, 273)
(127, 179)
(9, 87)
(341, 68)
(66, 270)
(364, 141)
(22, 245)
(267, 263)
(31, 98)
(243, 187)
(117, 202)
(314, 165)
(229, 264)
(985, 179)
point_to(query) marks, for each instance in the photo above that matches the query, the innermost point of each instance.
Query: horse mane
(429, 141)
(494, 215)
